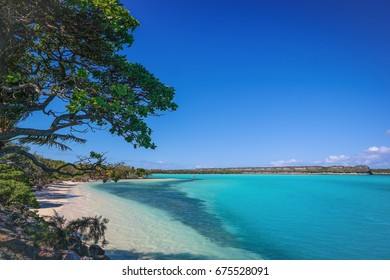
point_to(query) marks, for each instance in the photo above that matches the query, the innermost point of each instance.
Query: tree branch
(82, 166)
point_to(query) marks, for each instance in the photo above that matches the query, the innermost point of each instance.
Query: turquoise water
(276, 216)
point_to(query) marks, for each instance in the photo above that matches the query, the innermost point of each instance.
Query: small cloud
(388, 132)
(372, 149)
(337, 159)
(285, 162)
(380, 150)
(373, 156)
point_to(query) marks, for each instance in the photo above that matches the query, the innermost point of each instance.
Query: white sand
(54, 197)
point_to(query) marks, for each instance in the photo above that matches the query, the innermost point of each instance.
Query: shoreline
(136, 230)
(60, 195)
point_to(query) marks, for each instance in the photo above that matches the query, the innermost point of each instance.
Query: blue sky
(262, 83)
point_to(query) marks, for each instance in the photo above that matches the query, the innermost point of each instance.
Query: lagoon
(287, 217)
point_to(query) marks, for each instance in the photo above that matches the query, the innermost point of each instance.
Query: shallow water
(247, 217)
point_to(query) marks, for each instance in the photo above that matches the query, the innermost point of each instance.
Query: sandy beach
(55, 197)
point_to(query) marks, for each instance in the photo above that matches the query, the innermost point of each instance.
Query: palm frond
(54, 140)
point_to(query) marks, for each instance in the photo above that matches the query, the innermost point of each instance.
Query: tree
(116, 172)
(141, 172)
(61, 59)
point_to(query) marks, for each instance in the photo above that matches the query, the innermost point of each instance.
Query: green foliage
(116, 172)
(15, 189)
(69, 51)
(44, 233)
(40, 179)
(16, 193)
(141, 172)
(116, 15)
(13, 78)
(12, 173)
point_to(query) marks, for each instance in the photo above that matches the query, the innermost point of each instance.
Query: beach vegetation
(141, 172)
(15, 189)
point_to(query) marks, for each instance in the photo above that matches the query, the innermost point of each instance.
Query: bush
(11, 173)
(15, 189)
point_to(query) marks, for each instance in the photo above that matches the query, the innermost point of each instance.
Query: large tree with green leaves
(68, 53)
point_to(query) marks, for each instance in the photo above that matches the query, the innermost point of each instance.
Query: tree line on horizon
(359, 169)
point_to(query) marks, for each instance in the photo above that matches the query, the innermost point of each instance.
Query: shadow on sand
(54, 196)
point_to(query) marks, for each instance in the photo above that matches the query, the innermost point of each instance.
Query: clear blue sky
(262, 83)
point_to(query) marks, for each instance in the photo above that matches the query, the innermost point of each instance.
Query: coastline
(135, 230)
(59, 196)
(276, 170)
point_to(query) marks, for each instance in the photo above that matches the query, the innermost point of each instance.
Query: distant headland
(359, 170)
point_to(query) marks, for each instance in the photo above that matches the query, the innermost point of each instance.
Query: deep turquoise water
(277, 216)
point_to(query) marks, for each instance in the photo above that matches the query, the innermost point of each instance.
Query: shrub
(15, 189)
